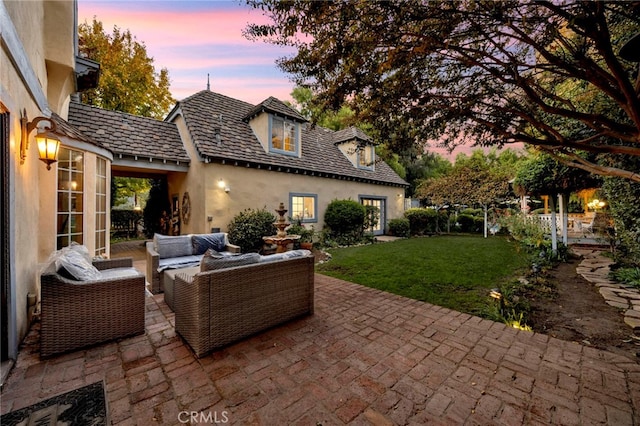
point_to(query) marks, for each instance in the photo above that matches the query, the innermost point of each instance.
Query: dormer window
(284, 136)
(366, 157)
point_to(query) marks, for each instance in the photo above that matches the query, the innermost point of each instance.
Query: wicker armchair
(216, 308)
(75, 314)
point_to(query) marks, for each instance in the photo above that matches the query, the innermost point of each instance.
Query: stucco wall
(37, 76)
(261, 188)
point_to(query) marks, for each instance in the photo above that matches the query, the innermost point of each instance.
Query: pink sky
(195, 38)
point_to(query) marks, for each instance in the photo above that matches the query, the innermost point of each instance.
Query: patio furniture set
(219, 295)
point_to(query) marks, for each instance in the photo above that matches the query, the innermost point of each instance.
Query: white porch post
(564, 209)
(554, 225)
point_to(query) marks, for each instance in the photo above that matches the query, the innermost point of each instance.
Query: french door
(380, 203)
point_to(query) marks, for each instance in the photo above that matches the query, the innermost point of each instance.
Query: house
(256, 156)
(221, 155)
(44, 205)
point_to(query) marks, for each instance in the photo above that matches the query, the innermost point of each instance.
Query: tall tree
(489, 72)
(128, 79)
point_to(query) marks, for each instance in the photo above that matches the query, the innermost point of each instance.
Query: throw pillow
(173, 246)
(210, 263)
(204, 242)
(283, 256)
(73, 264)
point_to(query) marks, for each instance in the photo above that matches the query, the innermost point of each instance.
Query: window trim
(296, 126)
(359, 153)
(315, 205)
(98, 231)
(81, 214)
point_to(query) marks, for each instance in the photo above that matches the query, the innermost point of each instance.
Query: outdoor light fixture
(48, 142)
(223, 185)
(596, 204)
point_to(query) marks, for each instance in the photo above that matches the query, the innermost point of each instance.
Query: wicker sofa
(75, 314)
(180, 251)
(218, 307)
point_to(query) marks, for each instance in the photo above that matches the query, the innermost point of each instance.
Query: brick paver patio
(365, 357)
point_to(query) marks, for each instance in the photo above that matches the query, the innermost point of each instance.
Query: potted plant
(306, 239)
(306, 235)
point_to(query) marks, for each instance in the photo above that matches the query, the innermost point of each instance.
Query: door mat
(80, 407)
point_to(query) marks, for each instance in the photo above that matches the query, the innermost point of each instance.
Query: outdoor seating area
(364, 357)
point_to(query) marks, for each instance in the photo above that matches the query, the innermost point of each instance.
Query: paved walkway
(595, 269)
(364, 357)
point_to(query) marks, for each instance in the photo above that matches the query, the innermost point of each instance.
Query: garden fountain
(281, 239)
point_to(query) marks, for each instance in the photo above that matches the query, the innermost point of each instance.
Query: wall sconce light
(223, 185)
(48, 142)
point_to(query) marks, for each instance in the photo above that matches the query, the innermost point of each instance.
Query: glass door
(379, 203)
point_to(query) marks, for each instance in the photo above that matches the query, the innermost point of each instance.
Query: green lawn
(456, 272)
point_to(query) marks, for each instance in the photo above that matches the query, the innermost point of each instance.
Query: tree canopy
(543, 175)
(546, 73)
(128, 79)
(477, 179)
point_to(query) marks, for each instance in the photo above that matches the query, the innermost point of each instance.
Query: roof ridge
(116, 112)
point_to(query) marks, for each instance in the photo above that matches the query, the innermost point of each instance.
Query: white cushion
(115, 273)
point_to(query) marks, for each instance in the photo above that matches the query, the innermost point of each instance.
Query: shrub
(249, 226)
(345, 220)
(306, 235)
(421, 221)
(526, 231)
(399, 227)
(630, 276)
(478, 224)
(467, 223)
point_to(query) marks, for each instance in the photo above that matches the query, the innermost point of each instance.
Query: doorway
(380, 203)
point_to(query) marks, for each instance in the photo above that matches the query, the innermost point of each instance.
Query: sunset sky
(195, 38)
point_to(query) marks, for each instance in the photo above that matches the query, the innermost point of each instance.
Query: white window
(304, 207)
(70, 197)
(101, 206)
(284, 136)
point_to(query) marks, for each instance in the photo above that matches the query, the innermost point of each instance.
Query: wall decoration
(186, 208)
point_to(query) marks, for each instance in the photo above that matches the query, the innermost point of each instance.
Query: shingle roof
(207, 113)
(350, 134)
(71, 131)
(129, 135)
(274, 105)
